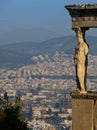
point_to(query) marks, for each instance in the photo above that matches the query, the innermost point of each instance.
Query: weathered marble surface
(81, 60)
(84, 111)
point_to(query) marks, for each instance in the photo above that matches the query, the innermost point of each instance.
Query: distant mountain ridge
(27, 34)
(17, 54)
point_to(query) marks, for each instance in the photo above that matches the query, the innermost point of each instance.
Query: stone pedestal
(84, 111)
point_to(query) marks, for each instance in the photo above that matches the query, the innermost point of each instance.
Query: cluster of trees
(11, 114)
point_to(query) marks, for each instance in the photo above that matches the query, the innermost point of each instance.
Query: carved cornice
(83, 15)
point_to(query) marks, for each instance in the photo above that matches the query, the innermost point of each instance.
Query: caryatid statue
(81, 60)
(83, 18)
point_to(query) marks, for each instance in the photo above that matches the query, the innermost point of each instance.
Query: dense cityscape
(44, 88)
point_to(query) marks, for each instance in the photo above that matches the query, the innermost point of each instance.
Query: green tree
(12, 119)
(6, 99)
(11, 115)
(2, 115)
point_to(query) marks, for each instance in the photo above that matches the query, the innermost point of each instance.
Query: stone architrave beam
(83, 15)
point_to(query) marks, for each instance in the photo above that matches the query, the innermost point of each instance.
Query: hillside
(18, 54)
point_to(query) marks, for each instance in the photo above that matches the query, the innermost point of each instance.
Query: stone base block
(84, 111)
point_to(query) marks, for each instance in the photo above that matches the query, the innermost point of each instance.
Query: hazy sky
(45, 14)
